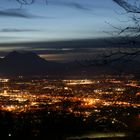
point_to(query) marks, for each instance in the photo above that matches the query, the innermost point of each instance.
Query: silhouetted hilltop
(23, 58)
(25, 63)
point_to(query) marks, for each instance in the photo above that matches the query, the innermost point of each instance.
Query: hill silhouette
(25, 63)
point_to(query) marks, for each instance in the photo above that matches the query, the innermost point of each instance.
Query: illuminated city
(28, 95)
(102, 98)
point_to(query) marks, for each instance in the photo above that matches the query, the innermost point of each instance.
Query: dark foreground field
(61, 126)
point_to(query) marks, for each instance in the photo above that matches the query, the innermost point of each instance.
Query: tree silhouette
(125, 39)
(28, 2)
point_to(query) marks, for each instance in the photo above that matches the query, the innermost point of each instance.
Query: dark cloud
(17, 30)
(18, 13)
(71, 47)
(62, 51)
(67, 50)
(59, 46)
(72, 44)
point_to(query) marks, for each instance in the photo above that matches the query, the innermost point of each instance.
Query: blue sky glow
(60, 20)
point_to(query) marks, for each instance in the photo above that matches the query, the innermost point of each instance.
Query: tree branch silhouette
(28, 2)
(126, 38)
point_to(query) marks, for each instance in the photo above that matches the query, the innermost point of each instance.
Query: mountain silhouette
(23, 58)
(25, 63)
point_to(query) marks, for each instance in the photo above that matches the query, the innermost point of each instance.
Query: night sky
(54, 30)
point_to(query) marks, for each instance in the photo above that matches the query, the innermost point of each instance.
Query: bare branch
(28, 2)
(128, 7)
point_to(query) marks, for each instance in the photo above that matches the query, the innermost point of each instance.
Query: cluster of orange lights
(22, 102)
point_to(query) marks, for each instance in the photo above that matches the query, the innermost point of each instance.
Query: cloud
(56, 51)
(60, 47)
(78, 6)
(17, 30)
(71, 4)
(66, 50)
(7, 37)
(18, 13)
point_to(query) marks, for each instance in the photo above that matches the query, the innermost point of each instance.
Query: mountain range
(29, 63)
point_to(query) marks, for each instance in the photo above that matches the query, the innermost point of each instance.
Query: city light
(66, 95)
